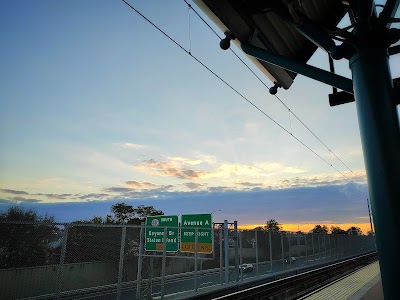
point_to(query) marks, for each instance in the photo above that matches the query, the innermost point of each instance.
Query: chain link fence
(60, 260)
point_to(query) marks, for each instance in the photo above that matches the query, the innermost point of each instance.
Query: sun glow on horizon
(306, 227)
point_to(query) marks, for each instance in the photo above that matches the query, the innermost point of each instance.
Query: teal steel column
(380, 136)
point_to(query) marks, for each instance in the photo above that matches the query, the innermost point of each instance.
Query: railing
(70, 261)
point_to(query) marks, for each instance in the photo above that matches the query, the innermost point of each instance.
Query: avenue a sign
(155, 226)
(204, 233)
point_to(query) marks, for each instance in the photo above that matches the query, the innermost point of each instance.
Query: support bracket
(293, 65)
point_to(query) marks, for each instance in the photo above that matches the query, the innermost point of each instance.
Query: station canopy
(271, 25)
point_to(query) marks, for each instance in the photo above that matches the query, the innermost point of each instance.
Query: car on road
(292, 260)
(246, 268)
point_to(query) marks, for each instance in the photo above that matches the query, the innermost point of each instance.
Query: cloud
(137, 184)
(118, 190)
(292, 205)
(56, 196)
(326, 179)
(9, 191)
(5, 201)
(193, 185)
(248, 184)
(186, 160)
(24, 200)
(131, 146)
(96, 196)
(182, 168)
(171, 168)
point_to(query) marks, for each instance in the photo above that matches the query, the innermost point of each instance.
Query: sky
(98, 107)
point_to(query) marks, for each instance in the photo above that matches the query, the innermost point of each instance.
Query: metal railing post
(319, 246)
(283, 255)
(298, 245)
(240, 253)
(305, 244)
(60, 271)
(226, 253)
(164, 261)
(290, 250)
(139, 269)
(236, 251)
(221, 261)
(121, 262)
(196, 251)
(270, 249)
(256, 237)
(312, 244)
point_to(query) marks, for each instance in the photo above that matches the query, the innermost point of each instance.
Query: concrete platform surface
(363, 284)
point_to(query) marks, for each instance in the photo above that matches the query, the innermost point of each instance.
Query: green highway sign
(154, 240)
(204, 234)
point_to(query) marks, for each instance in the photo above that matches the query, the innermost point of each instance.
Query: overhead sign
(204, 233)
(155, 233)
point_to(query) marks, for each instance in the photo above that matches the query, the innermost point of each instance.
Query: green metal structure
(367, 47)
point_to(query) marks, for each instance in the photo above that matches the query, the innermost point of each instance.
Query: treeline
(28, 239)
(273, 225)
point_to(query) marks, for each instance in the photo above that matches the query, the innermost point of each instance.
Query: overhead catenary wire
(230, 86)
(262, 82)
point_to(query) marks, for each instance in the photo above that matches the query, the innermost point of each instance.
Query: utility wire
(281, 101)
(230, 86)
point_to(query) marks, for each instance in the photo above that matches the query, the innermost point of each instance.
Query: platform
(364, 284)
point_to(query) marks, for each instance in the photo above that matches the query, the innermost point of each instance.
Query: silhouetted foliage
(27, 242)
(354, 231)
(273, 225)
(337, 230)
(123, 213)
(320, 229)
(99, 243)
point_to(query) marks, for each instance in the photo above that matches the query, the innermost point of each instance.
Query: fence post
(196, 251)
(60, 271)
(256, 238)
(240, 253)
(139, 269)
(330, 248)
(121, 262)
(298, 245)
(226, 253)
(305, 244)
(270, 248)
(164, 259)
(283, 255)
(312, 244)
(150, 289)
(319, 246)
(236, 251)
(221, 261)
(290, 250)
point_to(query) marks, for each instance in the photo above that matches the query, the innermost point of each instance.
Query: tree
(354, 231)
(320, 229)
(370, 233)
(127, 214)
(25, 238)
(96, 243)
(273, 225)
(337, 230)
(123, 213)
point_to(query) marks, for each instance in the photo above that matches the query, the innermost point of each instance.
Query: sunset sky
(98, 107)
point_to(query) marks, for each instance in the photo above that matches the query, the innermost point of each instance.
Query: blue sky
(97, 107)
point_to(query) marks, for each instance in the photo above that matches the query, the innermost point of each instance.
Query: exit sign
(155, 239)
(203, 223)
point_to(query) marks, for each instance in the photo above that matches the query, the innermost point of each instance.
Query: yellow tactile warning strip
(346, 287)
